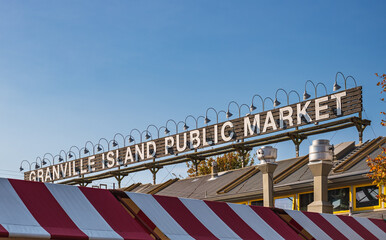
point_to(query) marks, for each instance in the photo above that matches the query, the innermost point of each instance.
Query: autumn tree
(378, 164)
(227, 161)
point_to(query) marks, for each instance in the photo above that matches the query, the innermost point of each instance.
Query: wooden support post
(361, 124)
(297, 139)
(196, 161)
(154, 169)
(83, 182)
(119, 179)
(243, 151)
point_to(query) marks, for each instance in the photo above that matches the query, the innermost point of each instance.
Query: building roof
(291, 175)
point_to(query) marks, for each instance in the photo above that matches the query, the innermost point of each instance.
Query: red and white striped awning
(180, 218)
(44, 210)
(330, 226)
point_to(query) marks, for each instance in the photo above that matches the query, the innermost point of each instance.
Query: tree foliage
(227, 161)
(378, 171)
(382, 84)
(378, 164)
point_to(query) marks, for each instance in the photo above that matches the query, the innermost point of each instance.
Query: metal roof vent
(214, 173)
(267, 154)
(321, 150)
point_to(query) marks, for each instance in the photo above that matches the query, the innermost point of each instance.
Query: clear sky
(72, 71)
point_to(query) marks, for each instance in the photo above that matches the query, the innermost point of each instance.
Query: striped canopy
(51, 211)
(180, 218)
(43, 210)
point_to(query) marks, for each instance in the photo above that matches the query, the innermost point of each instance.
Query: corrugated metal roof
(250, 188)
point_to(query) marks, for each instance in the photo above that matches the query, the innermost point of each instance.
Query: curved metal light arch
(131, 138)
(276, 102)
(61, 159)
(123, 138)
(218, 114)
(167, 131)
(198, 119)
(70, 155)
(242, 105)
(162, 127)
(305, 94)
(147, 136)
(228, 113)
(21, 165)
(69, 150)
(154, 126)
(44, 162)
(86, 150)
(44, 157)
(345, 81)
(320, 84)
(113, 143)
(252, 107)
(207, 120)
(268, 98)
(293, 91)
(186, 127)
(336, 86)
(99, 147)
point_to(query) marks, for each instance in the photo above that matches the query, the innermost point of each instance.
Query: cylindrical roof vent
(267, 154)
(320, 150)
(214, 173)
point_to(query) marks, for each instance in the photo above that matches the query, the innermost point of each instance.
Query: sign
(312, 111)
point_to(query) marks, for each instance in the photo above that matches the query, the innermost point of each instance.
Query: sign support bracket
(361, 124)
(153, 169)
(82, 182)
(196, 160)
(119, 179)
(297, 139)
(243, 151)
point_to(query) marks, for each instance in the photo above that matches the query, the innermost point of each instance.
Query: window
(257, 203)
(285, 202)
(340, 199)
(366, 196)
(304, 200)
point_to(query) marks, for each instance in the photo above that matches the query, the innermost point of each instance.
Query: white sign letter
(303, 112)
(110, 159)
(338, 98)
(225, 125)
(195, 137)
(32, 178)
(180, 149)
(319, 108)
(169, 142)
(152, 143)
(254, 128)
(129, 155)
(140, 152)
(91, 163)
(269, 122)
(288, 117)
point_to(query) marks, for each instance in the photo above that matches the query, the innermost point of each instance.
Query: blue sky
(72, 71)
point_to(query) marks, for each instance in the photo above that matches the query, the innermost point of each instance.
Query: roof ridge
(242, 178)
(362, 152)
